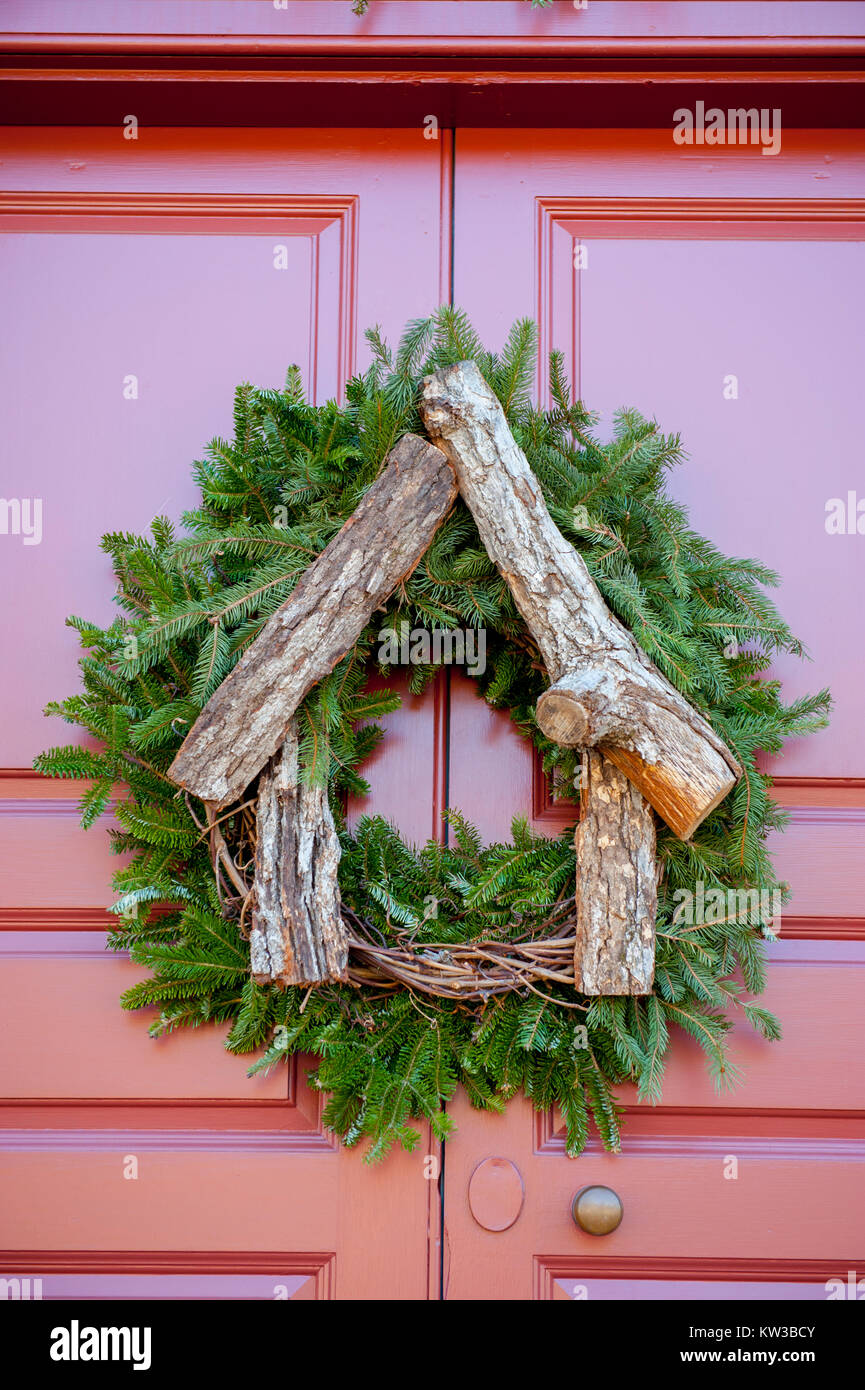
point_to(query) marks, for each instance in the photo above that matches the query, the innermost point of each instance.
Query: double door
(140, 292)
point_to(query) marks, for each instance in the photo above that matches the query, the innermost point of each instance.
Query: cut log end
(667, 749)
(564, 718)
(682, 797)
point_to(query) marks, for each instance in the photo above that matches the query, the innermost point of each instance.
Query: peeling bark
(298, 936)
(617, 892)
(245, 721)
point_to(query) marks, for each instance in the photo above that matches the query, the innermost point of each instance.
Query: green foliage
(189, 605)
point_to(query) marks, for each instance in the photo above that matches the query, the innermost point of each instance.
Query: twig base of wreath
(471, 971)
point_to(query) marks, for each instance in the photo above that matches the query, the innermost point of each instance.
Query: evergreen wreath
(391, 1046)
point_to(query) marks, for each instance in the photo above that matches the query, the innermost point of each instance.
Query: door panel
(554, 1281)
(163, 261)
(406, 772)
(697, 267)
(682, 1216)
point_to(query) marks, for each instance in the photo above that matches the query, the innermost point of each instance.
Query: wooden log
(298, 936)
(246, 719)
(683, 775)
(617, 884)
(616, 896)
(605, 690)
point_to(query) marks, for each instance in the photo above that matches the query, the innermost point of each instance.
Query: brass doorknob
(597, 1210)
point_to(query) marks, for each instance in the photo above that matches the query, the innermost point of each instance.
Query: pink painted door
(159, 264)
(141, 283)
(694, 270)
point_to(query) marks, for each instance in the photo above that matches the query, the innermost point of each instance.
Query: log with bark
(605, 691)
(616, 884)
(653, 748)
(298, 936)
(245, 721)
